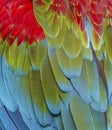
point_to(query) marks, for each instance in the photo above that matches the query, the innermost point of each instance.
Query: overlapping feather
(57, 83)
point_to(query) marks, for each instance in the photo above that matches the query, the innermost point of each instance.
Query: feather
(50, 87)
(6, 120)
(69, 66)
(87, 84)
(59, 122)
(53, 31)
(101, 105)
(93, 79)
(48, 1)
(17, 90)
(37, 54)
(72, 45)
(17, 58)
(38, 99)
(21, 58)
(81, 86)
(31, 124)
(87, 54)
(81, 113)
(109, 117)
(67, 119)
(5, 94)
(17, 119)
(108, 72)
(63, 83)
(45, 19)
(11, 121)
(2, 44)
(57, 42)
(108, 40)
(96, 41)
(85, 39)
(1, 103)
(26, 90)
(101, 53)
(50, 71)
(46, 16)
(99, 120)
(84, 116)
(41, 8)
(11, 54)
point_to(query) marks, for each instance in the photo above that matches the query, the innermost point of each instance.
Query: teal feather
(15, 87)
(24, 99)
(67, 118)
(101, 105)
(5, 93)
(81, 86)
(59, 122)
(87, 84)
(99, 120)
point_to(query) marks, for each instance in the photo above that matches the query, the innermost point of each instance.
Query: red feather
(16, 19)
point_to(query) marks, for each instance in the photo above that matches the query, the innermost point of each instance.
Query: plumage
(74, 47)
(55, 64)
(70, 67)
(62, 81)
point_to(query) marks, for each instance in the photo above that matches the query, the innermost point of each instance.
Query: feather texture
(55, 64)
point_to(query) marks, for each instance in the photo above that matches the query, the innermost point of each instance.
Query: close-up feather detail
(55, 65)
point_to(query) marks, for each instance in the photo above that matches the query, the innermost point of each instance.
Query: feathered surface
(56, 64)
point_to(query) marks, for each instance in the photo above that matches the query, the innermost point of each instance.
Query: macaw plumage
(56, 64)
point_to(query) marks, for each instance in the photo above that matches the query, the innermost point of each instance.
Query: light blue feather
(5, 93)
(67, 118)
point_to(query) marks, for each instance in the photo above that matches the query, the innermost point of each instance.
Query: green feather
(35, 92)
(57, 42)
(109, 117)
(2, 45)
(54, 29)
(47, 1)
(99, 120)
(27, 98)
(92, 79)
(22, 53)
(52, 93)
(72, 45)
(87, 54)
(108, 75)
(37, 55)
(41, 8)
(81, 113)
(70, 67)
(62, 81)
(50, 87)
(108, 41)
(84, 38)
(44, 18)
